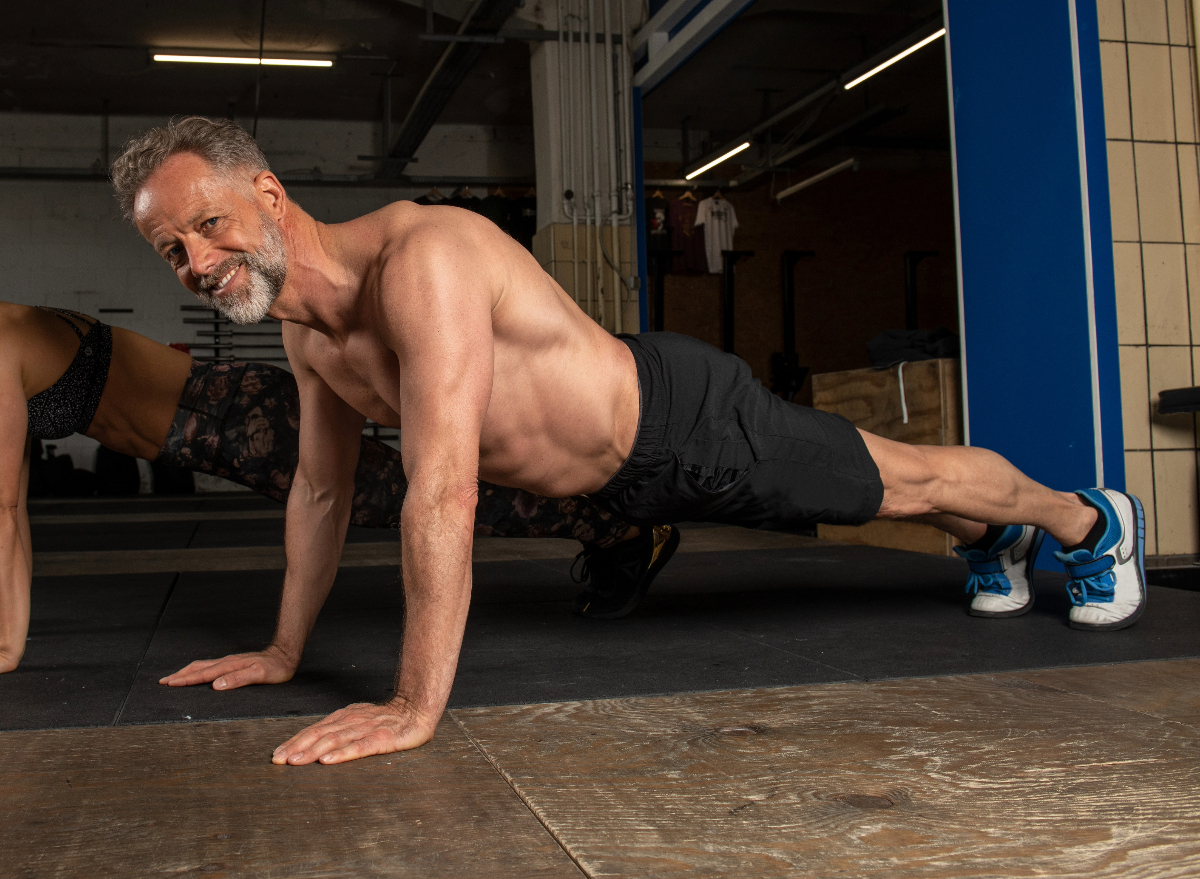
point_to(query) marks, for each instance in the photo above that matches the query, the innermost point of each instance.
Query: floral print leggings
(241, 421)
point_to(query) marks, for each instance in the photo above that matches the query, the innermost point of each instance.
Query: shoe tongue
(971, 555)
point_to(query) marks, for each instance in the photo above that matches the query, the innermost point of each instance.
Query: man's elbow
(438, 498)
(318, 492)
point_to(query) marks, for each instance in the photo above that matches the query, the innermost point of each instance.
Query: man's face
(216, 234)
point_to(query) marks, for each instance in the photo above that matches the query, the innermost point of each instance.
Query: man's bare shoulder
(419, 232)
(439, 246)
(403, 226)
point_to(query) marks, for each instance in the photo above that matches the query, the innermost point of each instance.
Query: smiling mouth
(224, 282)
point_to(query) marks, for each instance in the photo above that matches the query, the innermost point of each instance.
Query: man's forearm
(437, 541)
(16, 572)
(316, 531)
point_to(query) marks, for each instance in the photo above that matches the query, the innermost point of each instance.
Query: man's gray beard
(266, 272)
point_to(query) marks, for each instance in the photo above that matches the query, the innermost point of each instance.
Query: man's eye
(173, 252)
(210, 222)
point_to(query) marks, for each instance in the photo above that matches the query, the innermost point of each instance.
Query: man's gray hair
(222, 143)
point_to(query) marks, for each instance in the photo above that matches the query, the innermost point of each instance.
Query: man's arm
(438, 323)
(16, 553)
(318, 511)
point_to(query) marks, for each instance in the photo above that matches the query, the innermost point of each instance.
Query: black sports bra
(68, 405)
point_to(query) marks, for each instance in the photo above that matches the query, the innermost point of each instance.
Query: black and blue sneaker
(619, 576)
(1108, 570)
(1001, 578)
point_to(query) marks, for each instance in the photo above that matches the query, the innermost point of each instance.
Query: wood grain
(950, 777)
(871, 399)
(1168, 689)
(205, 799)
(891, 534)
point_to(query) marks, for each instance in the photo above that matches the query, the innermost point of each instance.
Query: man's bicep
(329, 433)
(442, 332)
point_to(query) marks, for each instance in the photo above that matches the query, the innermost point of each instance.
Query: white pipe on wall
(596, 150)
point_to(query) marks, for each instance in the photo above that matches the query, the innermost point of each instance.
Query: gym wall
(859, 224)
(1148, 60)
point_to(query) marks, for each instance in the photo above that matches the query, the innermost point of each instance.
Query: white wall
(65, 244)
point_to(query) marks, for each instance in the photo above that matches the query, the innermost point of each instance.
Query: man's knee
(910, 477)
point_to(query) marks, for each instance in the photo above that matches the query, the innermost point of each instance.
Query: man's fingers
(231, 672)
(199, 672)
(377, 742)
(357, 731)
(299, 743)
(240, 677)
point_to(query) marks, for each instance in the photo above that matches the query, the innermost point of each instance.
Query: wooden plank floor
(989, 775)
(204, 799)
(1066, 772)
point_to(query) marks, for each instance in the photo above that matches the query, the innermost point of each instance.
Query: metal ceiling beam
(485, 18)
(870, 118)
(834, 85)
(666, 51)
(452, 9)
(663, 22)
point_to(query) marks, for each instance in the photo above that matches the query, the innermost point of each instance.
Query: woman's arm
(16, 552)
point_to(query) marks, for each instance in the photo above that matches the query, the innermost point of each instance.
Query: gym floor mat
(819, 613)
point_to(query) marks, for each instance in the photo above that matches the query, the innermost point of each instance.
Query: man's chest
(365, 376)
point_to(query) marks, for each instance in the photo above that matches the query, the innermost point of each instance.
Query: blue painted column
(1038, 303)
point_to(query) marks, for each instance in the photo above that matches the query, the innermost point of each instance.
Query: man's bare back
(563, 391)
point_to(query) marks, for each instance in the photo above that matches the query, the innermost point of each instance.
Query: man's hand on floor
(360, 730)
(270, 666)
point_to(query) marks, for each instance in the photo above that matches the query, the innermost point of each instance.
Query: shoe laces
(1092, 580)
(1099, 588)
(995, 584)
(987, 572)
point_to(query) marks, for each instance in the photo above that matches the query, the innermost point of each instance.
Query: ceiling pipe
(816, 178)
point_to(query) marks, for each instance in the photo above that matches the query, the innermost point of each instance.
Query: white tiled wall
(1150, 113)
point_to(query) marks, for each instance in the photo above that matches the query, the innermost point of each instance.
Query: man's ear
(270, 194)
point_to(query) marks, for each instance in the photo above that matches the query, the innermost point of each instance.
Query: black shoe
(618, 576)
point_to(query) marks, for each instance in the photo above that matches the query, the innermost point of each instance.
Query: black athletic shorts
(714, 445)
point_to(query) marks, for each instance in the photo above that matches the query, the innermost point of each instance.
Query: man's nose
(202, 258)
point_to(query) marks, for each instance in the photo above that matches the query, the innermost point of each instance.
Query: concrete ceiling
(70, 56)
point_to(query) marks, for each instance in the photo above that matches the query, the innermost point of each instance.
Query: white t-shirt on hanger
(719, 221)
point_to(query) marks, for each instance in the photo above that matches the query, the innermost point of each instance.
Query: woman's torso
(79, 375)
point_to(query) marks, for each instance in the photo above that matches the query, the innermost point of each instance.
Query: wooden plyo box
(871, 399)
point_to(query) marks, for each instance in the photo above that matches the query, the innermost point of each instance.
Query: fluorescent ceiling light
(925, 42)
(229, 59)
(717, 161)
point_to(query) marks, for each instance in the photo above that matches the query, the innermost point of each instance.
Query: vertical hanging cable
(262, 32)
(595, 111)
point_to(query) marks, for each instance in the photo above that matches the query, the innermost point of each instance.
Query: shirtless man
(433, 319)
